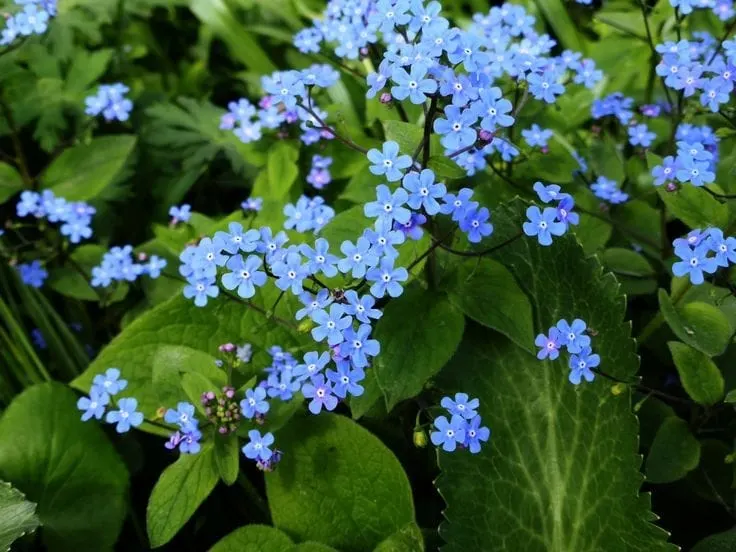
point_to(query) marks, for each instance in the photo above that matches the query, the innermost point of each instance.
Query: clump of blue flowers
(703, 252)
(73, 217)
(574, 338)
(111, 102)
(187, 437)
(31, 20)
(121, 412)
(118, 265)
(463, 429)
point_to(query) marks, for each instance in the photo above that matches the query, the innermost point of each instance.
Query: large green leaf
(10, 182)
(674, 452)
(555, 13)
(407, 539)
(17, 515)
(698, 324)
(695, 207)
(182, 487)
(282, 171)
(338, 485)
(73, 279)
(699, 375)
(83, 171)
(561, 472)
(178, 323)
(68, 467)
(487, 292)
(254, 538)
(411, 353)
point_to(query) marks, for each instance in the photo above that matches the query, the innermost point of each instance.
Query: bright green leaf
(561, 458)
(227, 457)
(674, 452)
(66, 466)
(407, 539)
(17, 515)
(10, 182)
(445, 168)
(73, 279)
(282, 170)
(179, 491)
(695, 207)
(407, 135)
(254, 538)
(700, 325)
(487, 292)
(626, 262)
(699, 375)
(335, 463)
(80, 173)
(555, 13)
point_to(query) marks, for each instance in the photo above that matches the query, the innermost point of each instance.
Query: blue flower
(565, 212)
(388, 206)
(423, 191)
(236, 240)
(332, 325)
(284, 87)
(377, 81)
(694, 262)
(537, 136)
(549, 344)
(126, 416)
(543, 224)
(608, 190)
(290, 273)
(695, 172)
(188, 442)
(346, 380)
(321, 393)
(458, 205)
(154, 266)
(413, 227)
(110, 101)
(724, 248)
(469, 51)
(412, 85)
(361, 307)
(581, 364)
(320, 259)
(307, 40)
(282, 385)
(696, 150)
(254, 204)
(493, 109)
(572, 336)
(639, 135)
(94, 405)
(666, 171)
(544, 86)
(201, 290)
(462, 406)
(32, 274)
(313, 364)
(109, 383)
(384, 238)
(386, 279)
(457, 129)
(257, 446)
(358, 346)
(244, 275)
(449, 434)
(475, 224)
(358, 257)
(313, 303)
(548, 193)
(183, 416)
(183, 213)
(254, 403)
(715, 93)
(389, 162)
(474, 434)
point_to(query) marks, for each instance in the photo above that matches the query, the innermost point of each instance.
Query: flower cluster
(552, 221)
(110, 101)
(118, 265)
(308, 214)
(33, 19)
(32, 274)
(694, 163)
(252, 205)
(319, 175)
(188, 435)
(535, 136)
(608, 190)
(104, 388)
(75, 217)
(463, 429)
(257, 448)
(572, 337)
(703, 252)
(696, 67)
(222, 411)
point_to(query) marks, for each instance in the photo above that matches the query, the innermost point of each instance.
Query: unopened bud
(385, 98)
(485, 135)
(160, 413)
(671, 187)
(226, 348)
(618, 389)
(420, 438)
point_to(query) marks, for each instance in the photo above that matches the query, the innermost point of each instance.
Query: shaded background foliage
(184, 60)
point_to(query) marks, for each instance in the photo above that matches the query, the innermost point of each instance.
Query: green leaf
(555, 13)
(66, 466)
(445, 168)
(674, 452)
(592, 232)
(17, 515)
(254, 538)
(562, 458)
(217, 15)
(179, 491)
(406, 135)
(412, 353)
(698, 324)
(282, 170)
(720, 542)
(626, 262)
(73, 279)
(178, 323)
(487, 292)
(361, 188)
(10, 182)
(695, 207)
(80, 173)
(699, 375)
(325, 453)
(407, 539)
(730, 397)
(227, 456)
